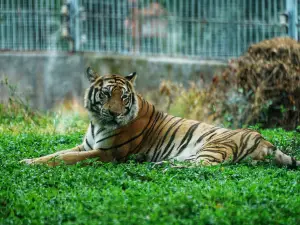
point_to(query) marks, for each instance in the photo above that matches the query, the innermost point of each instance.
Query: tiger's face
(111, 99)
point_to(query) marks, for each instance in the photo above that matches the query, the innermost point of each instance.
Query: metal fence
(185, 28)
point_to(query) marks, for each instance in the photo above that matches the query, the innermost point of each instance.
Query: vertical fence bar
(244, 26)
(211, 31)
(238, 30)
(14, 32)
(119, 33)
(291, 7)
(198, 29)
(96, 19)
(174, 30)
(1, 26)
(181, 42)
(25, 31)
(256, 21)
(204, 28)
(113, 32)
(263, 19)
(126, 27)
(130, 28)
(91, 35)
(36, 25)
(76, 24)
(193, 24)
(30, 25)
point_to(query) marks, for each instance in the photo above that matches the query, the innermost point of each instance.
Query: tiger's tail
(282, 159)
(266, 149)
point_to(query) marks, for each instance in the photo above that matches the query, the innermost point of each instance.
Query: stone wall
(47, 78)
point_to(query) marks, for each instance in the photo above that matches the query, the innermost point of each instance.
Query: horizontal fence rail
(189, 28)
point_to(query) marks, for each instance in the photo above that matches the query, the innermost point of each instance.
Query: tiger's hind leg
(210, 157)
(206, 161)
(214, 153)
(265, 150)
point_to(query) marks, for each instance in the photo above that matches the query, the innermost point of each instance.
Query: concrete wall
(47, 78)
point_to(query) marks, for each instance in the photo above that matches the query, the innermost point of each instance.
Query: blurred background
(190, 55)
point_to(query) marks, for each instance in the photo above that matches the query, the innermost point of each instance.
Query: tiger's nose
(113, 113)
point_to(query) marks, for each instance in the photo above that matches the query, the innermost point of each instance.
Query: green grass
(132, 193)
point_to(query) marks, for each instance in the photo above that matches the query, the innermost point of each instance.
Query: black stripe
(209, 158)
(132, 98)
(94, 95)
(114, 81)
(157, 135)
(293, 165)
(243, 145)
(93, 110)
(90, 92)
(168, 131)
(206, 134)
(231, 145)
(211, 136)
(88, 144)
(158, 150)
(109, 78)
(92, 129)
(223, 153)
(250, 150)
(168, 152)
(127, 109)
(235, 150)
(120, 80)
(115, 134)
(147, 110)
(147, 134)
(187, 137)
(155, 138)
(129, 106)
(222, 137)
(100, 130)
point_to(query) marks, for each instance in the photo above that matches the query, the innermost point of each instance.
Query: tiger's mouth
(107, 119)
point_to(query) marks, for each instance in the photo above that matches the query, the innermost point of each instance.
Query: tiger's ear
(131, 77)
(91, 74)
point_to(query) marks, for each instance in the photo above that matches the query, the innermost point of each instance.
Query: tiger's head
(111, 99)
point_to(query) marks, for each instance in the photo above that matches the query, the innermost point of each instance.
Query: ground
(132, 193)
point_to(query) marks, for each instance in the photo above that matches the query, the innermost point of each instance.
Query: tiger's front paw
(27, 161)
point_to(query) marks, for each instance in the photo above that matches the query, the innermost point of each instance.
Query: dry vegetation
(263, 86)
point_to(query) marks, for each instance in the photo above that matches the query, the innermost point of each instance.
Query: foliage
(261, 86)
(16, 115)
(16, 108)
(181, 102)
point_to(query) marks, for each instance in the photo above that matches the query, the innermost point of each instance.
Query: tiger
(123, 124)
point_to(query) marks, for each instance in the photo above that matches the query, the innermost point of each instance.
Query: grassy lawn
(134, 193)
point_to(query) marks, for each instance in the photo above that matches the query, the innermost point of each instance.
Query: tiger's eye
(101, 96)
(125, 100)
(125, 96)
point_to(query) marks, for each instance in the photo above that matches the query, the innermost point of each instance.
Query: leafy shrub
(263, 86)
